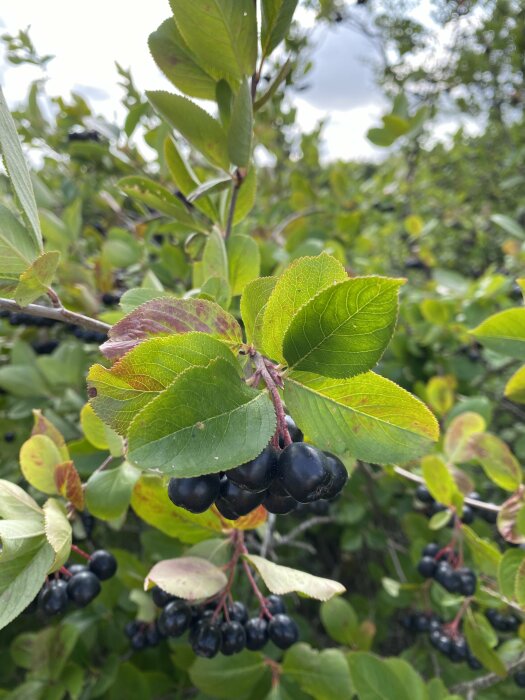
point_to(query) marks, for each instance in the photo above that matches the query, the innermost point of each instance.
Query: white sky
(87, 39)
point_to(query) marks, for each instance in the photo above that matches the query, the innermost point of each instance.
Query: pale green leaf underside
(368, 416)
(301, 281)
(345, 329)
(504, 332)
(208, 420)
(253, 305)
(244, 262)
(147, 370)
(17, 247)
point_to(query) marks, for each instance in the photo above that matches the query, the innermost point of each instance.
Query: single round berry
(431, 550)
(519, 679)
(139, 641)
(206, 640)
(496, 619)
(447, 577)
(512, 623)
(256, 633)
(275, 604)
(303, 472)
(82, 588)
(293, 431)
(444, 644)
(161, 598)
(233, 638)
(424, 495)
(421, 623)
(240, 501)
(277, 501)
(338, 476)
(175, 619)
(9, 436)
(468, 581)
(103, 564)
(427, 567)
(77, 569)
(283, 631)
(468, 515)
(255, 475)
(195, 494)
(237, 612)
(53, 598)
(131, 628)
(153, 637)
(225, 509)
(458, 650)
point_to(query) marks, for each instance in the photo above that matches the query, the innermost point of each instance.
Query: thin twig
(305, 525)
(238, 179)
(57, 314)
(470, 687)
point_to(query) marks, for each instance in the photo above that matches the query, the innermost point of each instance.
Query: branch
(57, 314)
(481, 505)
(470, 687)
(237, 182)
(305, 525)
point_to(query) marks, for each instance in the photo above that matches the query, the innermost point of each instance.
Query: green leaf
(121, 248)
(245, 197)
(151, 503)
(480, 648)
(486, 555)
(160, 317)
(439, 480)
(58, 531)
(157, 197)
(459, 433)
(36, 280)
(508, 225)
(222, 35)
(145, 371)
(276, 20)
(301, 281)
(369, 416)
(253, 305)
(214, 186)
(409, 677)
(509, 517)
(515, 387)
(172, 55)
(18, 537)
(208, 420)
(201, 130)
(244, 262)
(18, 173)
(345, 329)
(374, 679)
(282, 580)
(16, 504)
(509, 566)
(17, 247)
(39, 457)
(98, 433)
(339, 620)
(240, 131)
(381, 137)
(108, 493)
(214, 259)
(519, 585)
(185, 178)
(504, 332)
(190, 578)
(25, 582)
(322, 674)
(228, 676)
(498, 462)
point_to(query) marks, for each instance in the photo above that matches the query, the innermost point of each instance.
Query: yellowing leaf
(190, 578)
(39, 457)
(459, 433)
(36, 280)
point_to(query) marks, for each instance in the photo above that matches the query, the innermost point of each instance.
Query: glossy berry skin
(139, 641)
(424, 495)
(458, 650)
(82, 588)
(240, 501)
(175, 619)
(103, 564)
(275, 604)
(76, 569)
(131, 628)
(233, 638)
(161, 598)
(206, 640)
(53, 598)
(195, 494)
(468, 581)
(303, 472)
(427, 567)
(468, 515)
(283, 631)
(256, 633)
(430, 550)
(338, 476)
(293, 431)
(256, 475)
(237, 612)
(447, 577)
(421, 623)
(225, 509)
(277, 501)
(153, 638)
(519, 679)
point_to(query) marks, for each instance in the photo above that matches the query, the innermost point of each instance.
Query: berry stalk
(270, 376)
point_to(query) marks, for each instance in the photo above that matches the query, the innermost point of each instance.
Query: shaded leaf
(219, 676)
(108, 493)
(240, 131)
(498, 462)
(322, 674)
(244, 262)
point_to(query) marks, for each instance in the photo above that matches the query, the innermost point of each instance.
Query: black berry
(427, 567)
(283, 631)
(103, 564)
(160, 597)
(175, 619)
(131, 629)
(237, 612)
(195, 494)
(255, 475)
(275, 604)
(303, 472)
(431, 550)
(53, 597)
(139, 641)
(225, 509)
(256, 633)
(338, 476)
(206, 639)
(240, 501)
(519, 679)
(82, 588)
(293, 430)
(424, 495)
(233, 638)
(277, 501)
(468, 515)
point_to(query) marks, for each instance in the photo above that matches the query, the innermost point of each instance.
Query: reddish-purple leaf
(166, 316)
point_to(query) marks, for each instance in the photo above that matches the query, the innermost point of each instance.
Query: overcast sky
(87, 42)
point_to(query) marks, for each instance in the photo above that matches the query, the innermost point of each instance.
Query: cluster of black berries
(279, 481)
(211, 631)
(84, 135)
(469, 512)
(519, 678)
(502, 622)
(19, 318)
(87, 335)
(438, 563)
(45, 347)
(79, 584)
(442, 637)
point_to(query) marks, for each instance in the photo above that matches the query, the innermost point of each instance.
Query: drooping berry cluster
(78, 584)
(441, 565)
(502, 622)
(445, 638)
(210, 630)
(469, 512)
(279, 481)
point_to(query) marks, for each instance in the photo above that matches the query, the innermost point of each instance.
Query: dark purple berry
(338, 476)
(175, 619)
(283, 631)
(424, 495)
(277, 501)
(53, 597)
(240, 501)
(233, 638)
(139, 641)
(468, 515)
(161, 598)
(237, 612)
(82, 588)
(103, 564)
(519, 678)
(427, 567)
(195, 494)
(206, 640)
(303, 472)
(293, 430)
(131, 628)
(256, 475)
(275, 604)
(225, 509)
(431, 550)
(256, 633)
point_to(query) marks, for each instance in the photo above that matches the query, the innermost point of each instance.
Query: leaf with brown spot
(508, 518)
(69, 484)
(43, 426)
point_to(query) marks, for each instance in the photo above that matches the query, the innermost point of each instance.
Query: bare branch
(57, 314)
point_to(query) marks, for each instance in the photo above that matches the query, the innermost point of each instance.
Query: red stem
(76, 549)
(266, 370)
(65, 571)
